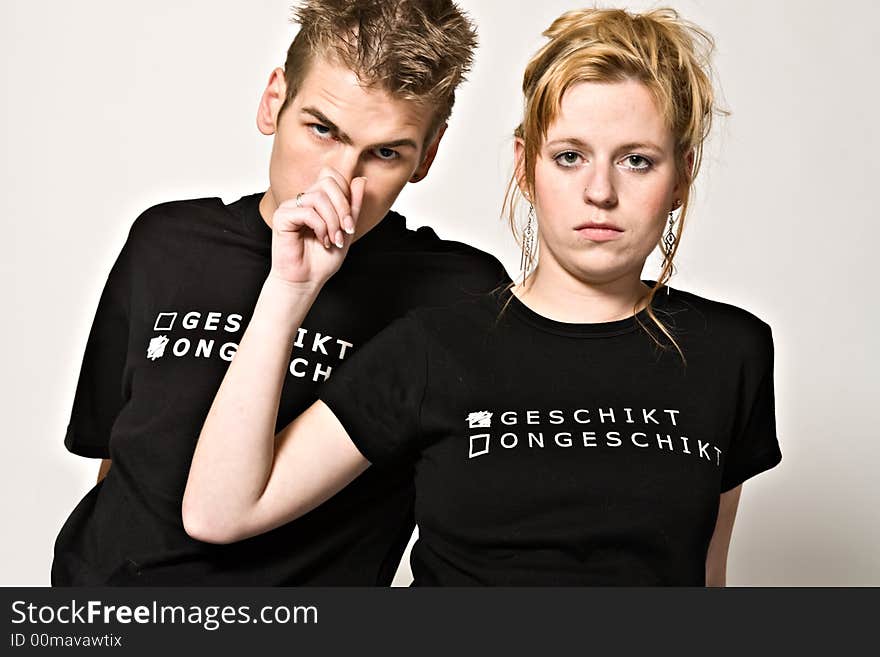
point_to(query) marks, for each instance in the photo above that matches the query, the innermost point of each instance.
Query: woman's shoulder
(466, 314)
(715, 309)
(726, 323)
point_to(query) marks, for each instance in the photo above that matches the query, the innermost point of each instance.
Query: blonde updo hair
(666, 53)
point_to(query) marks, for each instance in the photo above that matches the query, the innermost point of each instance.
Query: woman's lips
(599, 232)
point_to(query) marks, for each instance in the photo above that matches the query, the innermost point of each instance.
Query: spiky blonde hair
(417, 50)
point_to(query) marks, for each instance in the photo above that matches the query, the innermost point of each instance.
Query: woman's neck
(558, 295)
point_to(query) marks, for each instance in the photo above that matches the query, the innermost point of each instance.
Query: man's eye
(637, 162)
(320, 130)
(386, 154)
(567, 159)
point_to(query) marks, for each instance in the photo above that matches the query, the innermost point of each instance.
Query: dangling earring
(669, 239)
(528, 243)
(669, 243)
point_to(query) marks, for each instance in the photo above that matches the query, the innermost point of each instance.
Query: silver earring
(528, 243)
(669, 239)
(669, 245)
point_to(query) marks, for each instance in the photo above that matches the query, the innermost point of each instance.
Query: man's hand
(311, 234)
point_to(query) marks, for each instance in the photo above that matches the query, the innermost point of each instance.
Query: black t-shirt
(552, 453)
(169, 321)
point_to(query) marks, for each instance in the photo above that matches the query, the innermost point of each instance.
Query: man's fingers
(318, 200)
(358, 188)
(333, 174)
(336, 201)
(338, 196)
(293, 219)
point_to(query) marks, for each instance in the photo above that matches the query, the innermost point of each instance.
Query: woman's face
(605, 180)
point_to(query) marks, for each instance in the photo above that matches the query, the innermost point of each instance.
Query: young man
(357, 112)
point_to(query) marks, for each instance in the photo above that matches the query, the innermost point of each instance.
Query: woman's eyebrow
(569, 141)
(579, 143)
(640, 145)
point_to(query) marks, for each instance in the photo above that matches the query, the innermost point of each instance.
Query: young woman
(583, 427)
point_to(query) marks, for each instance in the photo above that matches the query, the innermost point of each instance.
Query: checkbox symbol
(165, 321)
(479, 445)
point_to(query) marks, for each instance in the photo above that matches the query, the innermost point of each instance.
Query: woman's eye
(387, 154)
(567, 159)
(637, 162)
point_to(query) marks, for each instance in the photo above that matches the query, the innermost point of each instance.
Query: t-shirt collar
(580, 330)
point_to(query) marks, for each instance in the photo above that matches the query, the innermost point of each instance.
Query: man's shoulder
(425, 244)
(475, 313)
(161, 217)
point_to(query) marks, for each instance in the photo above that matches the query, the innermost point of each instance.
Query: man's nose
(346, 160)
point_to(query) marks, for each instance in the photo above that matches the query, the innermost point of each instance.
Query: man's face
(359, 131)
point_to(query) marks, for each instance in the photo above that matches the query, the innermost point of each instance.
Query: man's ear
(519, 163)
(430, 154)
(271, 102)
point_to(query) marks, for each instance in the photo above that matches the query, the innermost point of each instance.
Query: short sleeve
(755, 447)
(99, 391)
(378, 393)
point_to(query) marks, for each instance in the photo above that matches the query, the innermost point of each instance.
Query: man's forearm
(103, 469)
(236, 446)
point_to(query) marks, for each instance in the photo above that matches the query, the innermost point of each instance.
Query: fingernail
(340, 239)
(348, 222)
(326, 242)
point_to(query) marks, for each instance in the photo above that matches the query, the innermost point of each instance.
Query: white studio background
(110, 107)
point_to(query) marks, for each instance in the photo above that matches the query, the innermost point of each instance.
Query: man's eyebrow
(341, 136)
(397, 143)
(344, 138)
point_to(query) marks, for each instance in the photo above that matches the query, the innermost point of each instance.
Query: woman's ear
(519, 163)
(686, 175)
(271, 102)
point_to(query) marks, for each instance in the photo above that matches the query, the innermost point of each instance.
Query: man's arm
(100, 389)
(716, 556)
(236, 467)
(240, 488)
(104, 469)
(243, 481)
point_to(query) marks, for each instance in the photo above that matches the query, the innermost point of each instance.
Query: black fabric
(190, 273)
(550, 453)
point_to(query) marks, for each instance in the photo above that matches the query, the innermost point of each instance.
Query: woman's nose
(599, 189)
